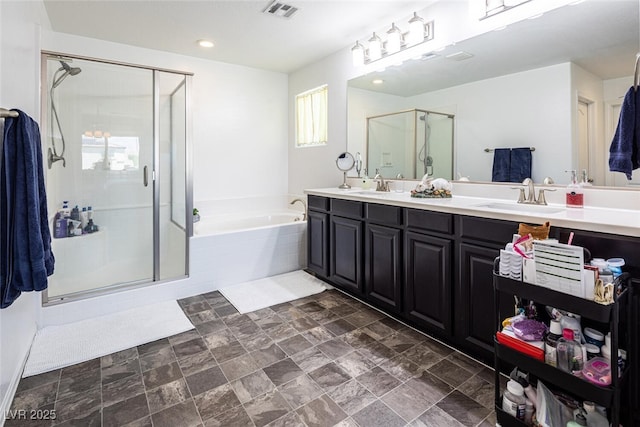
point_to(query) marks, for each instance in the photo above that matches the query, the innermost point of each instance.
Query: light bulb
(394, 39)
(357, 54)
(375, 47)
(416, 30)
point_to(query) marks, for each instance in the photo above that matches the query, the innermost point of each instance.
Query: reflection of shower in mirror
(410, 143)
(423, 155)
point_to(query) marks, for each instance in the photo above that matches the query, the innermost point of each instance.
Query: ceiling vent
(459, 56)
(278, 8)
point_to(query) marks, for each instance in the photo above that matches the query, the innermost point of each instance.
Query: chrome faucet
(381, 185)
(529, 198)
(304, 214)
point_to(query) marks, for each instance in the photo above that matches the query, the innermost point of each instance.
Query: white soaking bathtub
(232, 248)
(215, 225)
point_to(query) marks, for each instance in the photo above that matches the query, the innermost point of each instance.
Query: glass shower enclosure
(116, 143)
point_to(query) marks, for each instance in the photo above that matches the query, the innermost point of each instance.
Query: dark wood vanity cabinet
(345, 246)
(428, 271)
(318, 236)
(383, 257)
(479, 241)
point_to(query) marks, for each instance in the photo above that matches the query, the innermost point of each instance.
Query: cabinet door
(383, 267)
(428, 282)
(317, 243)
(346, 254)
(474, 312)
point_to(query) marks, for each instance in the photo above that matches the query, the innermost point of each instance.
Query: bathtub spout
(304, 214)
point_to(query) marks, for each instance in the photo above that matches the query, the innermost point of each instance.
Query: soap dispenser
(575, 196)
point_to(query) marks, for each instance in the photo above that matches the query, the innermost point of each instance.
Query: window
(311, 117)
(110, 152)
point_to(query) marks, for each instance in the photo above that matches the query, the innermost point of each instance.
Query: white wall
(19, 75)
(313, 167)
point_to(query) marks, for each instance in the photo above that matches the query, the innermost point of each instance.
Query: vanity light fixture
(417, 29)
(396, 41)
(377, 81)
(205, 43)
(357, 54)
(375, 47)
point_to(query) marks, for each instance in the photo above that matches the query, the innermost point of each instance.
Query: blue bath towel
(25, 239)
(501, 165)
(520, 164)
(624, 153)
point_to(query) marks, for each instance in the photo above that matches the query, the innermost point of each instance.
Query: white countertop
(607, 220)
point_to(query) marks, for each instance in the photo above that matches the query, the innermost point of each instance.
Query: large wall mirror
(554, 83)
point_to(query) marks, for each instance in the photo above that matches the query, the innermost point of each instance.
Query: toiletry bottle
(66, 213)
(75, 213)
(513, 400)
(89, 213)
(366, 182)
(84, 219)
(575, 196)
(570, 358)
(551, 343)
(584, 181)
(528, 412)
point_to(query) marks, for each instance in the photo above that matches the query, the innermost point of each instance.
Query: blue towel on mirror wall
(624, 153)
(520, 164)
(25, 238)
(501, 165)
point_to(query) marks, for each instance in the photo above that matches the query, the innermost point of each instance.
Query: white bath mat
(261, 293)
(55, 347)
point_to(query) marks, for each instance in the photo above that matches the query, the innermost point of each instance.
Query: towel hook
(635, 73)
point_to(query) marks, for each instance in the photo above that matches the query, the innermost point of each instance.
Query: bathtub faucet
(304, 214)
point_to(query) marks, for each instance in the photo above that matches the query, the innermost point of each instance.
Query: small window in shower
(107, 152)
(311, 117)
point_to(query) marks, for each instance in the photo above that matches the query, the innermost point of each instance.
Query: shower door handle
(145, 176)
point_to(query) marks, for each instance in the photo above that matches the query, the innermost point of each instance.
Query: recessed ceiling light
(205, 43)
(377, 81)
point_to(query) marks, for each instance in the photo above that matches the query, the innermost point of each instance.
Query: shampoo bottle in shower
(575, 196)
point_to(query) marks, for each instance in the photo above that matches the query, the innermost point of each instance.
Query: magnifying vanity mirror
(345, 162)
(554, 83)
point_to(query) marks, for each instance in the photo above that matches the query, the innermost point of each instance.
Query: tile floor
(323, 360)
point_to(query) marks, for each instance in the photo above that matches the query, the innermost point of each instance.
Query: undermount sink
(373, 193)
(523, 207)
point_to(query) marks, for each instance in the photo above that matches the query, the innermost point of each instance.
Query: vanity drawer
(489, 230)
(384, 214)
(439, 222)
(318, 202)
(348, 208)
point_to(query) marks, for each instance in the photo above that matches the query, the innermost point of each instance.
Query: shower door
(108, 135)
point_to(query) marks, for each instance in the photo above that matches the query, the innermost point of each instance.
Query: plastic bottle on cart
(570, 353)
(551, 342)
(513, 400)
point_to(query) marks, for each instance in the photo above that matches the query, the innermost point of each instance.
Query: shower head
(67, 71)
(71, 70)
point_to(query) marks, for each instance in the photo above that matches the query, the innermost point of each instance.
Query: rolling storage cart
(608, 396)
